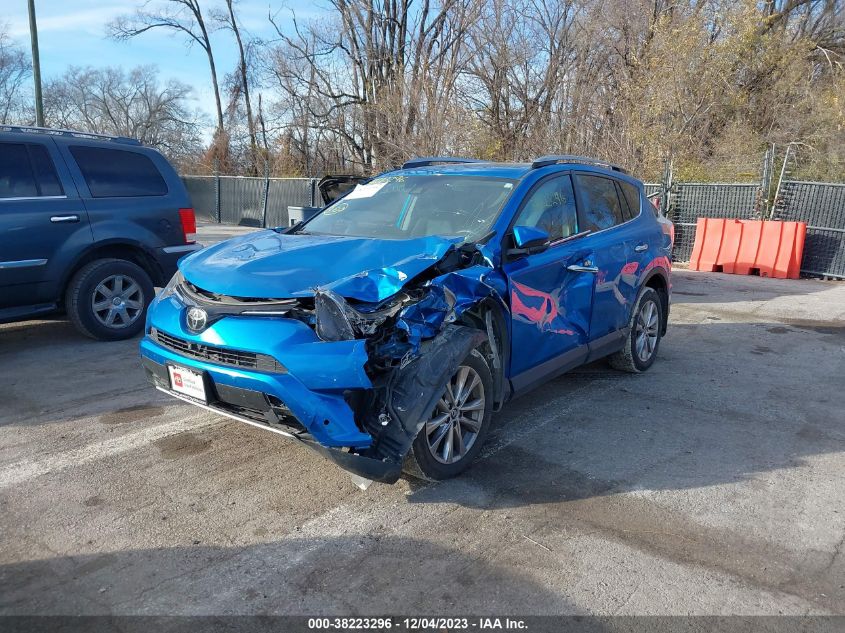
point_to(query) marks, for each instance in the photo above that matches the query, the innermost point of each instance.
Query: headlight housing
(170, 288)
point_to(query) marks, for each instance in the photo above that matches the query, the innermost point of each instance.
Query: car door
(42, 219)
(550, 293)
(600, 211)
(642, 239)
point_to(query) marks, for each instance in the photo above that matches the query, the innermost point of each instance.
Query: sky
(73, 33)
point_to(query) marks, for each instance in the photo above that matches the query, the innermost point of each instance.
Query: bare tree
(134, 104)
(14, 71)
(712, 81)
(228, 20)
(521, 52)
(368, 74)
(181, 16)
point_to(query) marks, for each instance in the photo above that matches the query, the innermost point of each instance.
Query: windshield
(403, 207)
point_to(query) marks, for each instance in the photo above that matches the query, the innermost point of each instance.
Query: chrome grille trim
(218, 355)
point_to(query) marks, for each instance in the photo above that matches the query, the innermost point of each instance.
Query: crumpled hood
(271, 265)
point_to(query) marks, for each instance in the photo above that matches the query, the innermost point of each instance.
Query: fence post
(778, 200)
(266, 193)
(666, 184)
(217, 192)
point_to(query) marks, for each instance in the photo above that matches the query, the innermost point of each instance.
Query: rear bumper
(168, 256)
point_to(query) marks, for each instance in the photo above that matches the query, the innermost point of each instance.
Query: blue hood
(271, 265)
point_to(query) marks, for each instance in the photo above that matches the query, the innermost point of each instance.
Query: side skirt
(552, 368)
(607, 344)
(22, 313)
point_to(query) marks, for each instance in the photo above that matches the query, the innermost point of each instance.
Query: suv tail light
(189, 225)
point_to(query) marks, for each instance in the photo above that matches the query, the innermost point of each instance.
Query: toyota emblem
(197, 319)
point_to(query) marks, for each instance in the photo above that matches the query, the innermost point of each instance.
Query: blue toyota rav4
(384, 331)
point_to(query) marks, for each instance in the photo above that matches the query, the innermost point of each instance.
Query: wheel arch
(658, 280)
(118, 249)
(490, 316)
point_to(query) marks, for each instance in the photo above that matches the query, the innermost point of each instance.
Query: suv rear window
(27, 171)
(114, 173)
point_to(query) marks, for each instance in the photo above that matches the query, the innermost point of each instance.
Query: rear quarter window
(602, 208)
(632, 196)
(114, 173)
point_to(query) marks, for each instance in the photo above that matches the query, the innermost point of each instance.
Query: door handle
(578, 268)
(641, 248)
(58, 219)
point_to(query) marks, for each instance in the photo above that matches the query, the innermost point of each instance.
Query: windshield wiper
(293, 229)
(481, 241)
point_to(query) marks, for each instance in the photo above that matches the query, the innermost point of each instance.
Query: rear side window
(632, 195)
(114, 173)
(601, 208)
(27, 171)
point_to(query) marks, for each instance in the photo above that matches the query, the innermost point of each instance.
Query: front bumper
(305, 399)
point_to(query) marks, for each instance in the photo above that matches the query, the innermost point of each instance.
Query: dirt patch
(131, 414)
(778, 329)
(182, 445)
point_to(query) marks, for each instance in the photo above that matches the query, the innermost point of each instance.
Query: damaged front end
(353, 379)
(415, 341)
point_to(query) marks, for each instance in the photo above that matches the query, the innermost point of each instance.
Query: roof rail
(27, 129)
(431, 160)
(545, 161)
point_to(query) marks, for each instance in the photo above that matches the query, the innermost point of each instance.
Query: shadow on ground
(354, 576)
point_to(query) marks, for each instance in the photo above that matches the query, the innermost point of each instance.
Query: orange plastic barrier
(747, 247)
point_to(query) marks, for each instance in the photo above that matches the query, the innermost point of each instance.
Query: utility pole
(36, 65)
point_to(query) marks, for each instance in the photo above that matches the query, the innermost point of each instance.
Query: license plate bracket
(188, 382)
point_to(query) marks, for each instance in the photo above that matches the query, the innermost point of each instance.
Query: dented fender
(417, 386)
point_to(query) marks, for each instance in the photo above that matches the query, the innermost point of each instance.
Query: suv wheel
(640, 348)
(453, 435)
(107, 299)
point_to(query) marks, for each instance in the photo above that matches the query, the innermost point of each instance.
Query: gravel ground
(713, 484)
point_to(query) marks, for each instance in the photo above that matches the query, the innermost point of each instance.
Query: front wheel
(643, 339)
(452, 436)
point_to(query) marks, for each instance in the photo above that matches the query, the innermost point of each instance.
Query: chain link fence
(822, 206)
(264, 202)
(247, 201)
(689, 201)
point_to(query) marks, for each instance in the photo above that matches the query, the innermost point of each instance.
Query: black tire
(421, 462)
(85, 287)
(629, 357)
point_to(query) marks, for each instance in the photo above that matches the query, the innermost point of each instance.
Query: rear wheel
(107, 299)
(455, 431)
(643, 340)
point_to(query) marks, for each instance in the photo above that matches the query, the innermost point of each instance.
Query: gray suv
(89, 225)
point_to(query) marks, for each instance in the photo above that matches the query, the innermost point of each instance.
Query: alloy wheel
(647, 326)
(117, 301)
(456, 421)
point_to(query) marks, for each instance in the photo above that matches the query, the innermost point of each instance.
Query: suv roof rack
(545, 161)
(431, 160)
(28, 129)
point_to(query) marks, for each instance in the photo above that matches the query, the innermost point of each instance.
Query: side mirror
(529, 240)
